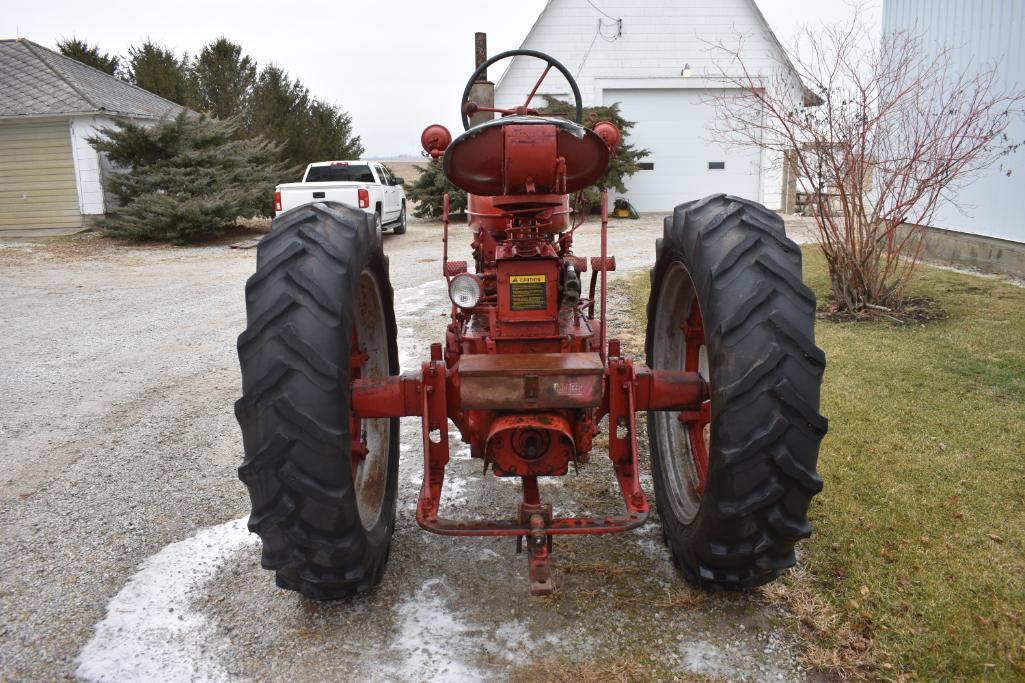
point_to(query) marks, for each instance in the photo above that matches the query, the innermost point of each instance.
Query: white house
(989, 226)
(50, 178)
(655, 59)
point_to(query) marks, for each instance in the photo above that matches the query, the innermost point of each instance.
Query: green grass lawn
(919, 534)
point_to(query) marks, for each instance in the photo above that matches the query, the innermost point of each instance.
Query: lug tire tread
(295, 399)
(766, 374)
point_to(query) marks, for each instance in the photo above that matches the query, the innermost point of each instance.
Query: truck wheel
(400, 227)
(323, 483)
(733, 480)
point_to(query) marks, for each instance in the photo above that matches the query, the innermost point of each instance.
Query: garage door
(673, 124)
(37, 176)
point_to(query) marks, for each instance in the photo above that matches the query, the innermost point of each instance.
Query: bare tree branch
(898, 132)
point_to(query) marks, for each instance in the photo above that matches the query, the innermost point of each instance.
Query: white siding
(981, 32)
(772, 180)
(87, 162)
(673, 125)
(659, 37)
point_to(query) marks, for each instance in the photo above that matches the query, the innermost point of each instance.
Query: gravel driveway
(122, 547)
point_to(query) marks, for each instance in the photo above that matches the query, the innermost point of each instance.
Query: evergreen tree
(88, 54)
(157, 69)
(223, 79)
(275, 98)
(329, 133)
(277, 109)
(429, 188)
(623, 165)
(186, 179)
(307, 129)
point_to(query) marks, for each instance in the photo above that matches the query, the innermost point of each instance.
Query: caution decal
(528, 292)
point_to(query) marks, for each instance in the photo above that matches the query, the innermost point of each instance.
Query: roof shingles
(36, 81)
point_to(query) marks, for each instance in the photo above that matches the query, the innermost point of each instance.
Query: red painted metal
(357, 444)
(453, 268)
(579, 263)
(527, 375)
(604, 267)
(478, 160)
(394, 396)
(435, 140)
(484, 213)
(530, 445)
(610, 133)
(696, 420)
(533, 91)
(536, 381)
(668, 390)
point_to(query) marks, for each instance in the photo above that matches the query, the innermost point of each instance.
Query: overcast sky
(395, 66)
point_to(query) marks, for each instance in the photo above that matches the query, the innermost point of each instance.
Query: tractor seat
(525, 155)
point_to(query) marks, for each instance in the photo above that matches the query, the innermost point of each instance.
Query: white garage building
(50, 178)
(654, 58)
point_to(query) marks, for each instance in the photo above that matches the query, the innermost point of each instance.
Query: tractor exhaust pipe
(483, 91)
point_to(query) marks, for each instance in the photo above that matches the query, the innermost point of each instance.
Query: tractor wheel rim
(684, 439)
(370, 437)
(697, 423)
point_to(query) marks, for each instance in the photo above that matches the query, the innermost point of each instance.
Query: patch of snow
(515, 638)
(968, 270)
(647, 483)
(702, 657)
(410, 304)
(150, 631)
(453, 490)
(431, 642)
(653, 548)
(739, 659)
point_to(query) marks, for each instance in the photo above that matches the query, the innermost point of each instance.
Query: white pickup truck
(364, 184)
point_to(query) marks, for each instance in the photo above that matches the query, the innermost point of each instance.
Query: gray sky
(395, 66)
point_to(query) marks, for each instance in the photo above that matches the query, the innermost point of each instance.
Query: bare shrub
(893, 130)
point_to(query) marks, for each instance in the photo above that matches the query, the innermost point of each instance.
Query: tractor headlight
(465, 290)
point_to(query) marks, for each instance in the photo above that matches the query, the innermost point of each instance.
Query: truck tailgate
(298, 194)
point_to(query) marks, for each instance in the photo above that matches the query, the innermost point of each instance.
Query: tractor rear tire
(735, 524)
(325, 515)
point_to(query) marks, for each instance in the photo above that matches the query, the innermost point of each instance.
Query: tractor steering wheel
(467, 107)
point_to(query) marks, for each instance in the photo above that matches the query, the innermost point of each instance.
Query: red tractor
(526, 373)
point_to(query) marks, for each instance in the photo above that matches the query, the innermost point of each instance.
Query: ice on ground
(410, 305)
(655, 549)
(454, 490)
(702, 657)
(151, 632)
(430, 640)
